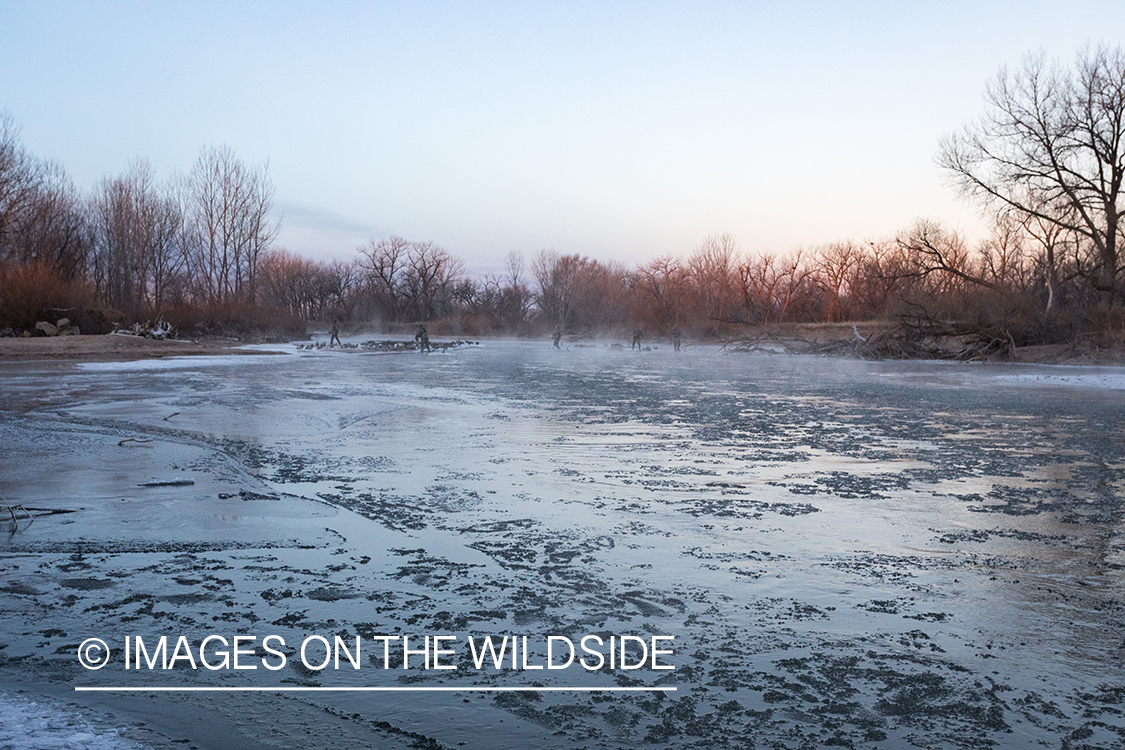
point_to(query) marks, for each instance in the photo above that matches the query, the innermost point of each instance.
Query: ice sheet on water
(46, 725)
(1071, 377)
(1004, 375)
(844, 550)
(171, 363)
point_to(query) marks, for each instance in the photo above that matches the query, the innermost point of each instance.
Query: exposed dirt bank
(877, 340)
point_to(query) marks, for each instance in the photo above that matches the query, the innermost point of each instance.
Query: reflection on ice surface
(171, 363)
(991, 375)
(885, 554)
(1072, 377)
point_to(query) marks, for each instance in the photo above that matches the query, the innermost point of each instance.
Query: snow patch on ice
(47, 725)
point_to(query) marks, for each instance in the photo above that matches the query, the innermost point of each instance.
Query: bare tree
(662, 285)
(41, 215)
(940, 255)
(565, 283)
(793, 281)
(834, 265)
(770, 285)
(349, 276)
(429, 279)
(713, 270)
(384, 262)
(135, 235)
(1055, 244)
(1053, 139)
(51, 225)
(230, 205)
(18, 172)
(577, 292)
(883, 275)
(515, 300)
(1004, 257)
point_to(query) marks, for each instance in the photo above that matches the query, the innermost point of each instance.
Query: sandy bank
(110, 347)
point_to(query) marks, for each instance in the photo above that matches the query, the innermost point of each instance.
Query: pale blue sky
(616, 130)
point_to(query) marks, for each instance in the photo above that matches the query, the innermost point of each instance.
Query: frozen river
(887, 555)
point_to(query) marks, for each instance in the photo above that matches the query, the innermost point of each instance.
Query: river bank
(826, 339)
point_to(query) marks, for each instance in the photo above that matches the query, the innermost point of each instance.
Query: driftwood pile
(912, 338)
(160, 330)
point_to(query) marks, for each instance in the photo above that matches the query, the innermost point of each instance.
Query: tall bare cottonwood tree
(712, 270)
(134, 228)
(229, 204)
(1051, 145)
(384, 262)
(41, 216)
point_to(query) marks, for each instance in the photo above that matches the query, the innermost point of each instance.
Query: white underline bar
(465, 689)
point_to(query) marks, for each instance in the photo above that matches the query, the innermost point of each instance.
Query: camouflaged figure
(422, 336)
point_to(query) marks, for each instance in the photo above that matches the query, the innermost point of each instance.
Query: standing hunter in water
(422, 336)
